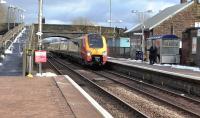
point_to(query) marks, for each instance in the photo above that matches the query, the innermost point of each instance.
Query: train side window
(83, 42)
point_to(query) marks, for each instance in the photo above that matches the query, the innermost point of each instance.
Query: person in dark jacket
(152, 54)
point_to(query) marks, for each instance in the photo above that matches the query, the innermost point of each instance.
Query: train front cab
(95, 49)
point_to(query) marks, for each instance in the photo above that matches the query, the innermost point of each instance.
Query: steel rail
(150, 95)
(100, 89)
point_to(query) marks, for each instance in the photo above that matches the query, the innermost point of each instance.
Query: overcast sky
(64, 11)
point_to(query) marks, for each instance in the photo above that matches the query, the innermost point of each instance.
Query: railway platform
(169, 69)
(53, 97)
(184, 80)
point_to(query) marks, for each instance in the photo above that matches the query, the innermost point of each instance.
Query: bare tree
(82, 21)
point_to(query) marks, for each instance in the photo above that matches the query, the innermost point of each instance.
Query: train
(89, 49)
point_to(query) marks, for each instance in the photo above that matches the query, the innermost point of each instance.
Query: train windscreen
(95, 41)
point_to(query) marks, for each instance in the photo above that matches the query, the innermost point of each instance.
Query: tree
(82, 21)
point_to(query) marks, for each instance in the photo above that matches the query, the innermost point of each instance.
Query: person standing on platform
(152, 54)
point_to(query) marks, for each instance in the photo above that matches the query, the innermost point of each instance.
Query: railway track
(183, 103)
(60, 67)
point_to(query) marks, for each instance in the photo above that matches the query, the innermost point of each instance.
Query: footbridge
(72, 31)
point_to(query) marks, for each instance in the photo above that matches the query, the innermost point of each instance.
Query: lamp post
(9, 16)
(114, 21)
(39, 33)
(98, 30)
(110, 9)
(14, 15)
(21, 15)
(114, 32)
(141, 15)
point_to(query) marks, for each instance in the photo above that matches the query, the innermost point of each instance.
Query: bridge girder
(72, 31)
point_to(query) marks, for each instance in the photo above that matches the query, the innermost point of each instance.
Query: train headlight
(104, 53)
(88, 54)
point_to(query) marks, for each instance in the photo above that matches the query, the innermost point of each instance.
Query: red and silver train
(90, 49)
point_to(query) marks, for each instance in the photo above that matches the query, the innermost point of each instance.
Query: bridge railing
(11, 34)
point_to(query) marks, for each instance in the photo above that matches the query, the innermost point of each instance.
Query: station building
(172, 20)
(191, 46)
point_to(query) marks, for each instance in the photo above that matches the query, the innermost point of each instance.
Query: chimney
(183, 1)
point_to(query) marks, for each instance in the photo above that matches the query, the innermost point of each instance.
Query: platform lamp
(114, 30)
(22, 15)
(141, 17)
(9, 16)
(98, 27)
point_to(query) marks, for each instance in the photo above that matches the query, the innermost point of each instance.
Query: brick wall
(187, 57)
(180, 21)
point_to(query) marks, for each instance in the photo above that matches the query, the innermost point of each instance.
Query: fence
(119, 52)
(10, 35)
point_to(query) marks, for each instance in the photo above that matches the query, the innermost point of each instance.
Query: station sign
(138, 34)
(39, 33)
(40, 56)
(194, 45)
(197, 24)
(198, 32)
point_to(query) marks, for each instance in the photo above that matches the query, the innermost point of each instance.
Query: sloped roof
(168, 37)
(161, 17)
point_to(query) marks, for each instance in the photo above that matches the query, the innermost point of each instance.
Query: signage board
(39, 33)
(40, 56)
(197, 24)
(138, 34)
(198, 32)
(194, 45)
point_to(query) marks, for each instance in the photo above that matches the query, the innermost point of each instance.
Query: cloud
(67, 8)
(64, 11)
(55, 21)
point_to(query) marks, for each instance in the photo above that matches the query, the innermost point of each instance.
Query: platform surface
(43, 98)
(163, 69)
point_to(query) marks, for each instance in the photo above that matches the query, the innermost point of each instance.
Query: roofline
(130, 30)
(171, 15)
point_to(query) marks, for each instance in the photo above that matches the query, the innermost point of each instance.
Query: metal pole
(18, 15)
(8, 16)
(23, 16)
(13, 16)
(40, 30)
(14, 11)
(143, 40)
(114, 42)
(110, 13)
(24, 61)
(100, 29)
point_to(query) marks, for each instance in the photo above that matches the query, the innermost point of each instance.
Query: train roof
(167, 36)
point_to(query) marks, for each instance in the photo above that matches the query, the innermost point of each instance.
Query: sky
(65, 11)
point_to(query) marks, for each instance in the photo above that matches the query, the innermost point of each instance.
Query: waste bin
(139, 55)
